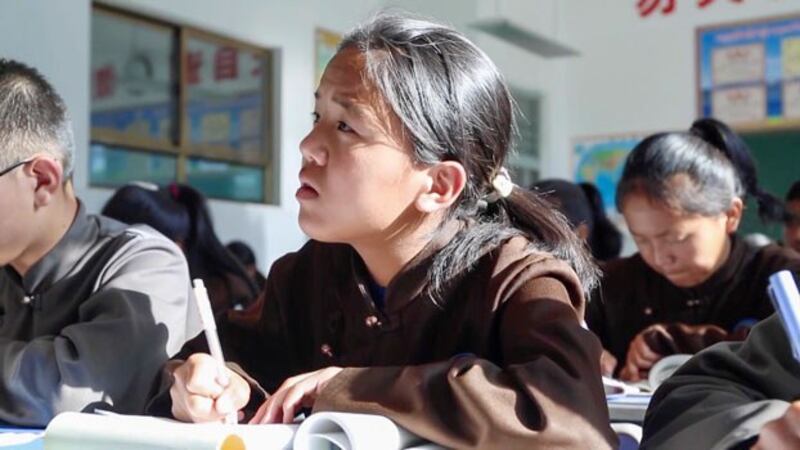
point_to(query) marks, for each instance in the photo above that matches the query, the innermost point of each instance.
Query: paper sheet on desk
(20, 440)
(325, 430)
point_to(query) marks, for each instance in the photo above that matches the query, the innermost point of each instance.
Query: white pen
(210, 328)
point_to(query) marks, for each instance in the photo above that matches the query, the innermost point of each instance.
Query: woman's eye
(344, 127)
(678, 239)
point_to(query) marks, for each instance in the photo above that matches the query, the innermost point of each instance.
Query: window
(524, 163)
(173, 103)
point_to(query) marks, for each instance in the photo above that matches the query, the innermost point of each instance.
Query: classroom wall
(634, 74)
(638, 74)
(54, 37)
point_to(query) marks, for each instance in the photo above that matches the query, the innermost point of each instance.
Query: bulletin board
(748, 73)
(325, 44)
(599, 160)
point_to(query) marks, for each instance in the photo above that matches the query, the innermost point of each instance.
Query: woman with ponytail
(433, 291)
(694, 282)
(583, 207)
(179, 212)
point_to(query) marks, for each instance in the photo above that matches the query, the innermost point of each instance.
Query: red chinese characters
(666, 7)
(226, 63)
(105, 80)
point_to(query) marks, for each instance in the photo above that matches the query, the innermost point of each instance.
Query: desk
(21, 438)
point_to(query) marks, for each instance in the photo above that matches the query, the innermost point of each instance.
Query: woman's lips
(306, 192)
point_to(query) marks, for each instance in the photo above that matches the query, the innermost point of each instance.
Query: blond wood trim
(738, 23)
(120, 139)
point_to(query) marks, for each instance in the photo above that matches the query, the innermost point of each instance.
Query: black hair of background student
(455, 105)
(244, 253)
(716, 161)
(794, 191)
(180, 213)
(582, 204)
(791, 220)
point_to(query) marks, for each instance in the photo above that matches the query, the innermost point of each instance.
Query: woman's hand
(205, 391)
(295, 393)
(783, 433)
(607, 363)
(640, 356)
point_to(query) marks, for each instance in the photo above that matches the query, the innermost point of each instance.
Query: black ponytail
(719, 135)
(605, 240)
(207, 256)
(715, 162)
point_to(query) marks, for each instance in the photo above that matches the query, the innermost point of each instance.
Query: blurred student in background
(247, 257)
(791, 223)
(694, 281)
(583, 207)
(180, 213)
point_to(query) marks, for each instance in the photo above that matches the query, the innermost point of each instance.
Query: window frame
(179, 144)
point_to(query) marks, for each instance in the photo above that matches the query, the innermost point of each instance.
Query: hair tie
(174, 191)
(502, 186)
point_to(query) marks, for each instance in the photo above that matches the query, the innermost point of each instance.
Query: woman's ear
(49, 176)
(444, 183)
(734, 215)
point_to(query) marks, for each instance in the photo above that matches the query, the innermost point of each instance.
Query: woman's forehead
(344, 76)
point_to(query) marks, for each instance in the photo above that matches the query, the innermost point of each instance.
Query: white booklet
(627, 402)
(326, 430)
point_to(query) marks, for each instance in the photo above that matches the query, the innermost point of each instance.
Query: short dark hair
(242, 252)
(794, 192)
(33, 117)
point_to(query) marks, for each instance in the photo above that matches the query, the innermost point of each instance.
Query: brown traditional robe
(499, 361)
(633, 296)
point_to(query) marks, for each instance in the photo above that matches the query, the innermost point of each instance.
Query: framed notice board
(748, 73)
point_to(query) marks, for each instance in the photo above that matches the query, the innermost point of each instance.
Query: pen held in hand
(210, 329)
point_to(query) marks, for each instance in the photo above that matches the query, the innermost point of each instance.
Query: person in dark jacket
(693, 282)
(791, 223)
(731, 396)
(180, 213)
(433, 291)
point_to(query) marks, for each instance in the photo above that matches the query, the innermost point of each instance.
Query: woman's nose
(312, 148)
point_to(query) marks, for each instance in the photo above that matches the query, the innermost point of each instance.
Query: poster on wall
(325, 43)
(599, 160)
(748, 73)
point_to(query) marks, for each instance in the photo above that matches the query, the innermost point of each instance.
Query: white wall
(53, 36)
(638, 74)
(634, 74)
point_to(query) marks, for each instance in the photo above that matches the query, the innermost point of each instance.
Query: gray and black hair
(33, 118)
(455, 106)
(697, 172)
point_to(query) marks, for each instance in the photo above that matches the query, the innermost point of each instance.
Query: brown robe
(503, 362)
(633, 296)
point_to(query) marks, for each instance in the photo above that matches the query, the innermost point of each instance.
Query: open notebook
(326, 430)
(627, 402)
